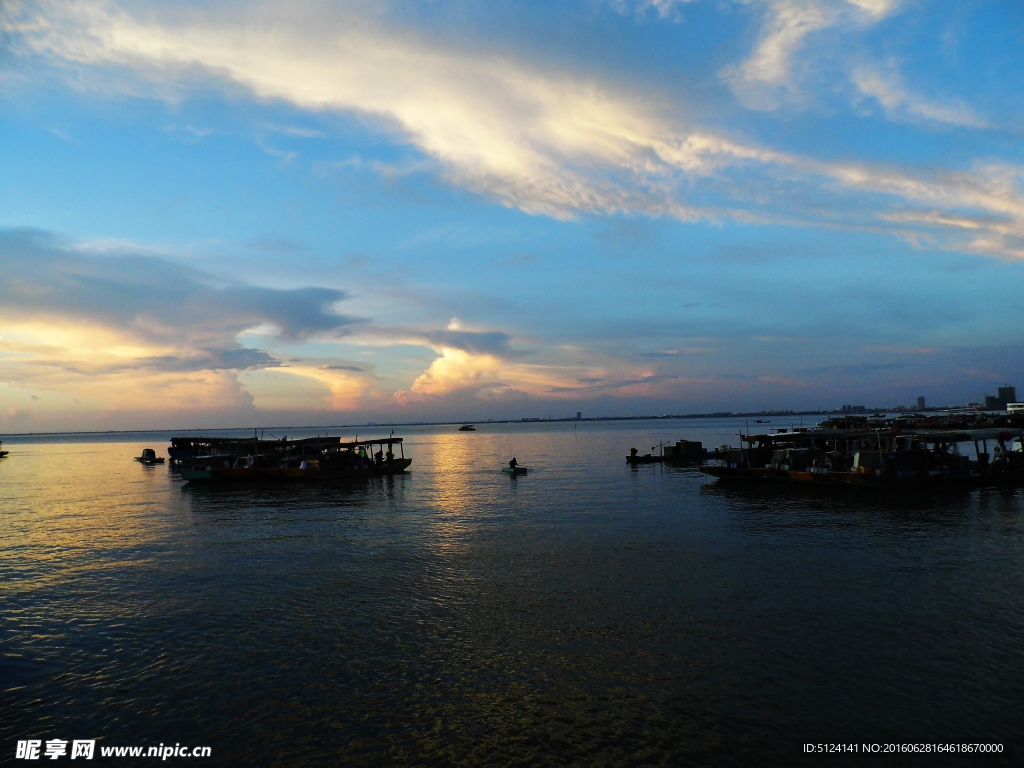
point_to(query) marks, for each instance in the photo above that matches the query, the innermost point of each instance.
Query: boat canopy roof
(923, 435)
(220, 442)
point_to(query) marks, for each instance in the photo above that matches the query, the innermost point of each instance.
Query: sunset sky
(240, 214)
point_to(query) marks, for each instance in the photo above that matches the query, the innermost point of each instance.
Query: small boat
(2, 451)
(645, 459)
(762, 421)
(149, 457)
(467, 428)
(515, 471)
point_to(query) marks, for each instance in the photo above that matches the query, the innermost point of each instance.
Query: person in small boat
(513, 463)
(633, 452)
(378, 457)
(389, 456)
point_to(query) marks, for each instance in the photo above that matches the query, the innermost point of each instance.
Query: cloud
(885, 86)
(786, 24)
(139, 328)
(639, 385)
(544, 142)
(149, 297)
(676, 352)
(765, 79)
(297, 132)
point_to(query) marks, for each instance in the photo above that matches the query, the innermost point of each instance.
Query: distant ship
(467, 428)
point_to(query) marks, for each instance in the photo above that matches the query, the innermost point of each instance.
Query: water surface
(587, 613)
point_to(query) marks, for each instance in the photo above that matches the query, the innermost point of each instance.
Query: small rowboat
(515, 471)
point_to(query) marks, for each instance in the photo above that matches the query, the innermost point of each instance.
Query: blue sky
(226, 213)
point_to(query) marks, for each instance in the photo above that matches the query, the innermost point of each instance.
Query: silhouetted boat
(314, 459)
(515, 471)
(890, 458)
(467, 428)
(149, 457)
(645, 458)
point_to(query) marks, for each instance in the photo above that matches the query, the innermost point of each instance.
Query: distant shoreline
(365, 425)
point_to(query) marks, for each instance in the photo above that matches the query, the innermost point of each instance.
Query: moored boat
(311, 459)
(875, 458)
(645, 458)
(149, 457)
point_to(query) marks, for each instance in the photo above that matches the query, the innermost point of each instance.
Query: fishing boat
(467, 428)
(149, 457)
(515, 471)
(883, 458)
(645, 458)
(679, 452)
(311, 459)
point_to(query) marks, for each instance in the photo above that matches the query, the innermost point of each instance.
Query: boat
(3, 453)
(149, 457)
(684, 452)
(893, 457)
(311, 459)
(467, 428)
(679, 452)
(515, 471)
(762, 421)
(645, 458)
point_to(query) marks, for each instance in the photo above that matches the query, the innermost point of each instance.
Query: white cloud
(886, 86)
(540, 141)
(765, 80)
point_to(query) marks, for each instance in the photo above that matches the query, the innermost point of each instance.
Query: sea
(589, 613)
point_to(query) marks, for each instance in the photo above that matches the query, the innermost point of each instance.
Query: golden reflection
(453, 460)
(75, 523)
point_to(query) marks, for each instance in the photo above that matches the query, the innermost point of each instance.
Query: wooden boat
(149, 457)
(885, 459)
(515, 471)
(320, 459)
(645, 458)
(467, 428)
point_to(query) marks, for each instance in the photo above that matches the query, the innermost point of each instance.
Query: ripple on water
(586, 613)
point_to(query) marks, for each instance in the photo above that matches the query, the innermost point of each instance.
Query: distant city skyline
(250, 213)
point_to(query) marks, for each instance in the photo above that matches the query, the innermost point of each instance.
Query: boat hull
(515, 471)
(310, 474)
(645, 459)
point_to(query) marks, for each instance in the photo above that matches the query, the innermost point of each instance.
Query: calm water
(586, 614)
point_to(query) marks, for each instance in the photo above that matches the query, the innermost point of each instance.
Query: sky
(226, 214)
